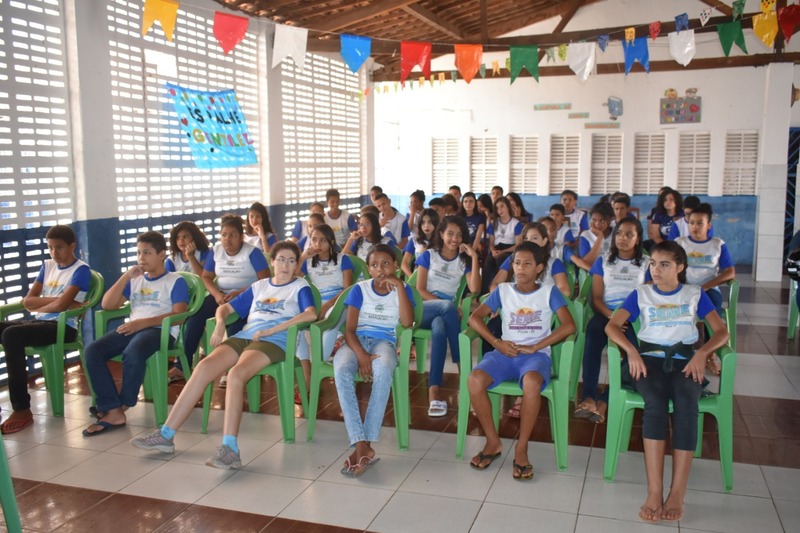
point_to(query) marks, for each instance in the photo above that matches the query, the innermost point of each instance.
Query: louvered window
(741, 160)
(482, 163)
(694, 158)
(564, 161)
(648, 162)
(446, 159)
(606, 163)
(524, 158)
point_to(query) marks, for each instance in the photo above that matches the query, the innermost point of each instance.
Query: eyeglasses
(284, 261)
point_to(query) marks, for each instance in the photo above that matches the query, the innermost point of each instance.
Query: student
(62, 284)
(368, 235)
(415, 206)
(270, 306)
(189, 248)
(564, 235)
(485, 208)
(420, 241)
(666, 367)
(374, 191)
(518, 210)
(576, 218)
(393, 221)
(504, 235)
(680, 228)
(669, 208)
(522, 353)
(497, 192)
(314, 220)
(439, 273)
(154, 294)
(437, 204)
(374, 309)
(476, 221)
(595, 242)
(614, 276)
(258, 228)
(621, 204)
(455, 192)
(299, 230)
(341, 222)
(451, 205)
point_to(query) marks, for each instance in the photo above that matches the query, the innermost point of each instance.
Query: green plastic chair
(321, 369)
(7, 497)
(792, 309)
(623, 401)
(422, 336)
(52, 356)
(556, 392)
(729, 312)
(284, 373)
(156, 378)
(360, 270)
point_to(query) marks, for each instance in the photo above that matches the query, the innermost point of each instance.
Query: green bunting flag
(730, 33)
(524, 57)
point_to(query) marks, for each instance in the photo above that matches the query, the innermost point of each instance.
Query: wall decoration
(551, 107)
(675, 110)
(164, 11)
(578, 115)
(215, 126)
(614, 107)
(602, 125)
(290, 41)
(524, 57)
(355, 50)
(468, 60)
(229, 30)
(413, 54)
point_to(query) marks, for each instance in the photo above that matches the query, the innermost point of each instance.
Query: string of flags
(291, 41)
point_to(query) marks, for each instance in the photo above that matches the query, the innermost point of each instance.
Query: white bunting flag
(289, 42)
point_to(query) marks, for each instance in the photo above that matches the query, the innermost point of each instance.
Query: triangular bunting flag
(412, 54)
(765, 27)
(737, 8)
(482, 70)
(630, 34)
(655, 30)
(164, 11)
(454, 75)
(290, 41)
(551, 54)
(788, 18)
(582, 57)
(682, 47)
(229, 30)
(602, 42)
(562, 52)
(767, 6)
(705, 15)
(355, 49)
(495, 67)
(636, 51)
(468, 60)
(729, 33)
(524, 57)
(682, 22)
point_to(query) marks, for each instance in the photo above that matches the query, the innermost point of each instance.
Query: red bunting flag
(655, 30)
(789, 18)
(468, 60)
(229, 30)
(413, 54)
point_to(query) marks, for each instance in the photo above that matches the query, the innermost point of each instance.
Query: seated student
(576, 218)
(374, 309)
(710, 262)
(437, 204)
(451, 205)
(439, 273)
(420, 241)
(270, 307)
(154, 294)
(368, 235)
(62, 284)
(614, 276)
(188, 247)
(669, 208)
(374, 191)
(300, 230)
(680, 228)
(518, 210)
(632, 211)
(521, 354)
(504, 235)
(666, 368)
(455, 192)
(497, 192)
(314, 220)
(595, 242)
(621, 204)
(476, 221)
(485, 208)
(258, 228)
(564, 235)
(393, 221)
(415, 206)
(341, 222)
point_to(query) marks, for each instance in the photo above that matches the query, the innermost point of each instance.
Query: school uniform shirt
(587, 241)
(664, 222)
(238, 271)
(327, 277)
(444, 276)
(620, 278)
(505, 233)
(473, 223)
(680, 228)
(379, 314)
(177, 264)
(667, 318)
(413, 248)
(554, 266)
(266, 305)
(255, 240)
(564, 234)
(299, 230)
(342, 226)
(578, 222)
(151, 297)
(413, 225)
(526, 317)
(55, 280)
(397, 226)
(706, 258)
(362, 250)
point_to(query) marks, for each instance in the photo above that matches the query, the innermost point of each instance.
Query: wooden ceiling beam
(720, 6)
(569, 12)
(484, 21)
(356, 15)
(435, 21)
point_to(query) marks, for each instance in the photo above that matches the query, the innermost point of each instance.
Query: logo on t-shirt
(524, 319)
(53, 284)
(269, 305)
(663, 315)
(698, 259)
(145, 296)
(379, 308)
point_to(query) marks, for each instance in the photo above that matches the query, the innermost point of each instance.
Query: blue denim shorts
(502, 368)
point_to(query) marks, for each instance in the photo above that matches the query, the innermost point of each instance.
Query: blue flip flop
(107, 426)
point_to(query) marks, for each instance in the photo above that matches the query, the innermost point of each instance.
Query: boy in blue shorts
(522, 353)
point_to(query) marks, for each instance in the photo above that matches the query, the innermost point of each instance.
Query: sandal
(363, 464)
(437, 408)
(523, 472)
(672, 515)
(598, 416)
(585, 409)
(514, 412)
(13, 425)
(713, 365)
(484, 457)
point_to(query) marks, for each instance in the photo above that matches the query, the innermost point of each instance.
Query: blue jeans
(328, 340)
(196, 325)
(596, 340)
(345, 368)
(136, 349)
(441, 317)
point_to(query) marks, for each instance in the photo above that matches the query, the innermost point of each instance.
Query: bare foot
(673, 508)
(651, 510)
(486, 457)
(17, 421)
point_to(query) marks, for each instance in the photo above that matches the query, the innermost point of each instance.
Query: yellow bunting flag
(164, 11)
(765, 27)
(562, 52)
(767, 6)
(495, 67)
(422, 81)
(441, 78)
(630, 34)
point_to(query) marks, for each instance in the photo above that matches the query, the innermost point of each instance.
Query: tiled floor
(65, 482)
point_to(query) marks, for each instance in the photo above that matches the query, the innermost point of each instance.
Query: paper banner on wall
(290, 41)
(737, 8)
(214, 124)
(602, 42)
(229, 30)
(524, 57)
(582, 58)
(630, 34)
(730, 33)
(765, 27)
(562, 52)
(551, 54)
(355, 49)
(495, 67)
(789, 18)
(655, 30)
(705, 15)
(163, 11)
(412, 54)
(682, 22)
(636, 51)
(468, 60)
(767, 6)
(682, 46)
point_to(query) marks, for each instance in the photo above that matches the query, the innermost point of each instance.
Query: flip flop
(598, 416)
(437, 408)
(361, 467)
(107, 426)
(582, 410)
(678, 516)
(656, 514)
(348, 466)
(19, 425)
(484, 457)
(514, 411)
(523, 472)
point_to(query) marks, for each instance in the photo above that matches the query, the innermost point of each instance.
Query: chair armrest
(728, 360)
(103, 316)
(10, 309)
(614, 366)
(565, 349)
(465, 306)
(465, 340)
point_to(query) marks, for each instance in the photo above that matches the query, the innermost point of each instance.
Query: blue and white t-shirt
(341, 226)
(554, 266)
(706, 259)
(680, 228)
(238, 271)
(564, 234)
(667, 318)
(363, 250)
(578, 222)
(619, 278)
(397, 226)
(150, 297)
(55, 280)
(175, 263)
(505, 233)
(526, 316)
(266, 305)
(587, 241)
(413, 248)
(327, 277)
(444, 276)
(379, 314)
(255, 240)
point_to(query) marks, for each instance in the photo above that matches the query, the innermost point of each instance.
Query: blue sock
(231, 442)
(167, 432)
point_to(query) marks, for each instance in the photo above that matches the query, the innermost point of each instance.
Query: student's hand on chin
(135, 271)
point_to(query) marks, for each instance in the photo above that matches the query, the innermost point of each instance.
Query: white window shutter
(648, 162)
(524, 168)
(483, 166)
(446, 155)
(606, 172)
(694, 162)
(741, 163)
(564, 162)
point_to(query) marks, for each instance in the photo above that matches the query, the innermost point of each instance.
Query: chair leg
(422, 354)
(300, 379)
(463, 415)
(315, 385)
(157, 376)
(559, 422)
(725, 427)
(7, 497)
(88, 378)
(625, 431)
(254, 393)
(53, 369)
(496, 400)
(613, 429)
(206, 406)
(402, 408)
(285, 404)
(792, 310)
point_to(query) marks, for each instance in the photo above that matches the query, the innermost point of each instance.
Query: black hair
(450, 201)
(375, 234)
(233, 221)
(663, 198)
(376, 188)
(154, 239)
(540, 255)
(518, 200)
(678, 255)
(462, 226)
(621, 199)
(327, 232)
(498, 188)
(496, 218)
(381, 196)
(456, 187)
(638, 252)
(62, 233)
(199, 238)
(370, 209)
(332, 193)
(419, 194)
(704, 209)
(570, 193)
(317, 216)
(486, 201)
(691, 202)
(558, 207)
(382, 248)
(317, 204)
(285, 245)
(420, 237)
(435, 201)
(266, 225)
(462, 211)
(605, 199)
(603, 209)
